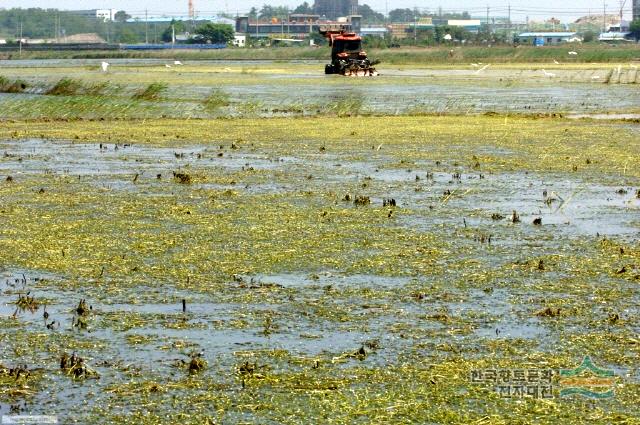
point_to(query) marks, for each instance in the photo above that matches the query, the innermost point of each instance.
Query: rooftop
(548, 34)
(152, 19)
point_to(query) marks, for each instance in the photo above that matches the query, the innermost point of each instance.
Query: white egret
(105, 66)
(548, 74)
(482, 69)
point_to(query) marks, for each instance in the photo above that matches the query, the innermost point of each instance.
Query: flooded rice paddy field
(333, 270)
(266, 89)
(314, 270)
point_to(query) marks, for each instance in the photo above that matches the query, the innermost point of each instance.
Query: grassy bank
(496, 54)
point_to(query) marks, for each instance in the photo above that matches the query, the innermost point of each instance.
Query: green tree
(178, 26)
(374, 42)
(635, 29)
(127, 32)
(121, 16)
(127, 36)
(588, 36)
(268, 12)
(369, 15)
(214, 33)
(403, 15)
(304, 9)
(41, 23)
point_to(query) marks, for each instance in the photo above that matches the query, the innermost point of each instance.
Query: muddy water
(143, 332)
(275, 88)
(436, 96)
(569, 205)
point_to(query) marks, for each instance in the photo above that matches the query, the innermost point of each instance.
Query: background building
(105, 15)
(547, 38)
(636, 9)
(333, 9)
(298, 26)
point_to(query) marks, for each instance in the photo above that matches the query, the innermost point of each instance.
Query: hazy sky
(565, 11)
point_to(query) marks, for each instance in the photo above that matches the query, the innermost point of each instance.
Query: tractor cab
(347, 56)
(346, 46)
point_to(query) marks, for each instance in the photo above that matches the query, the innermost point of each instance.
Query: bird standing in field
(105, 66)
(482, 69)
(548, 74)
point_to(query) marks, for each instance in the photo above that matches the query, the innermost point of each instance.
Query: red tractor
(347, 56)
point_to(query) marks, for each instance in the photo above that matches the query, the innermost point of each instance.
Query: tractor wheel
(328, 69)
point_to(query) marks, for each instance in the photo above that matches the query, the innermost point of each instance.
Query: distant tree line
(369, 15)
(35, 23)
(55, 24)
(52, 23)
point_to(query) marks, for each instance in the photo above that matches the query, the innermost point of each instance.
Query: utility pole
(604, 17)
(622, 4)
(20, 54)
(488, 26)
(146, 26)
(509, 38)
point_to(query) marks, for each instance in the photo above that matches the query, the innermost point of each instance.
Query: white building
(240, 40)
(106, 14)
(546, 38)
(614, 36)
(374, 31)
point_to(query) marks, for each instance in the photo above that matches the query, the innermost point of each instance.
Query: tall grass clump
(153, 91)
(65, 87)
(8, 86)
(72, 87)
(346, 107)
(216, 99)
(96, 89)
